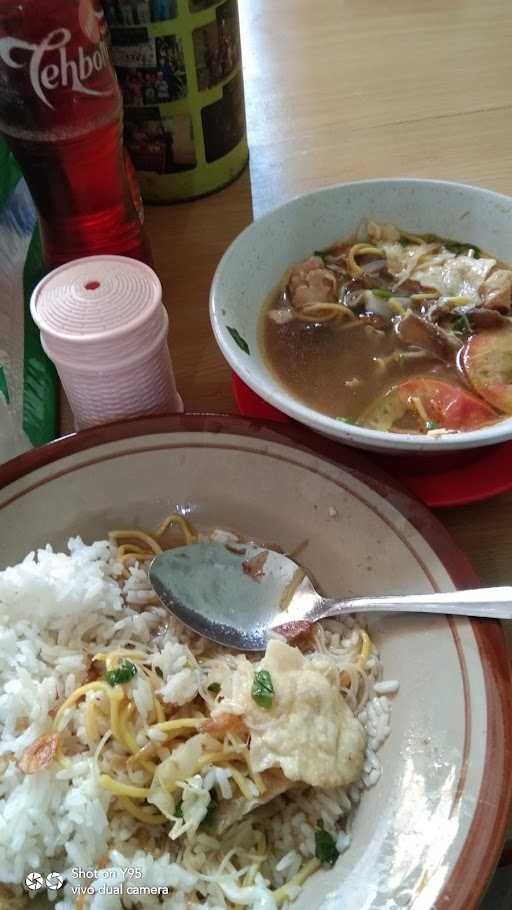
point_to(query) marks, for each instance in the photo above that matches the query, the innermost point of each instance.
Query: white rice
(58, 609)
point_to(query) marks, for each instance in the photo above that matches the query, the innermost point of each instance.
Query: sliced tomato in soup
(487, 360)
(447, 405)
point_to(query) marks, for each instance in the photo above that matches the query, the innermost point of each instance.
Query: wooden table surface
(343, 90)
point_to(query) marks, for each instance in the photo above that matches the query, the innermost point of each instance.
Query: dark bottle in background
(61, 114)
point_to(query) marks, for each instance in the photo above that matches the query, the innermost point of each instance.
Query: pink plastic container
(104, 326)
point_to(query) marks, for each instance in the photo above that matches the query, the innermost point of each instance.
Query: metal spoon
(236, 595)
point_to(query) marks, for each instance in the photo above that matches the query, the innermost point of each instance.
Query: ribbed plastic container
(104, 326)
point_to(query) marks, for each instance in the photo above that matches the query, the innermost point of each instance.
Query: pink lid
(97, 307)
(103, 324)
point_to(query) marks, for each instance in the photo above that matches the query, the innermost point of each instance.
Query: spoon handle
(489, 603)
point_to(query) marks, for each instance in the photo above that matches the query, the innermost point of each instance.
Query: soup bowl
(254, 263)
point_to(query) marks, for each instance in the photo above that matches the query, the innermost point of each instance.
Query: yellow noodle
(412, 238)
(423, 259)
(257, 778)
(76, 695)
(128, 549)
(159, 711)
(91, 723)
(361, 249)
(241, 782)
(125, 729)
(169, 725)
(116, 696)
(123, 789)
(128, 738)
(61, 758)
(322, 312)
(134, 534)
(131, 558)
(142, 755)
(214, 757)
(362, 660)
(188, 532)
(153, 678)
(418, 404)
(120, 653)
(149, 818)
(457, 301)
(396, 306)
(308, 868)
(426, 295)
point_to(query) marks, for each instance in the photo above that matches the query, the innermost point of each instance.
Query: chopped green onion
(262, 689)
(214, 688)
(403, 241)
(237, 338)
(321, 253)
(325, 846)
(121, 674)
(453, 246)
(462, 325)
(383, 293)
(432, 425)
(178, 812)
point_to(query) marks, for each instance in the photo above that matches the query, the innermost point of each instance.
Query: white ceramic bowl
(254, 263)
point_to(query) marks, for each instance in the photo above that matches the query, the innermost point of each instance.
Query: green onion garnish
(238, 339)
(262, 689)
(121, 674)
(453, 246)
(383, 293)
(325, 846)
(462, 325)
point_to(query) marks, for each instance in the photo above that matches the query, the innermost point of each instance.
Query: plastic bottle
(61, 114)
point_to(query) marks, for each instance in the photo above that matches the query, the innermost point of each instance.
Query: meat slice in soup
(395, 331)
(418, 332)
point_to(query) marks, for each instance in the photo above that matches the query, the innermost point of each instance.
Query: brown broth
(339, 333)
(314, 363)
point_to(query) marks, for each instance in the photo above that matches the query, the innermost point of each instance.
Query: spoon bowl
(240, 595)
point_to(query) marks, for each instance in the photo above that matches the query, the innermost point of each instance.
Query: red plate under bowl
(438, 480)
